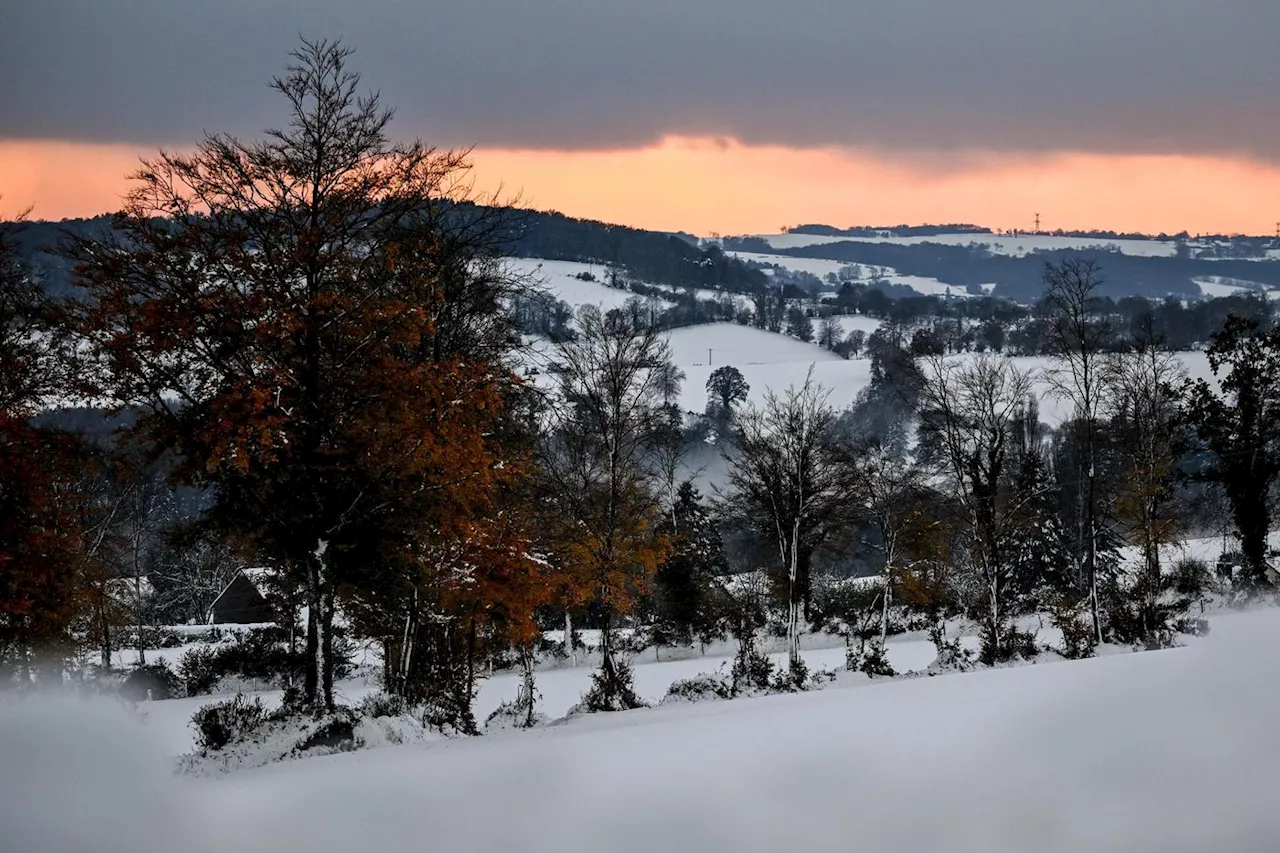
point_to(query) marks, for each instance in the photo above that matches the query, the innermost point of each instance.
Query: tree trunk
(318, 685)
(527, 696)
(568, 639)
(137, 603)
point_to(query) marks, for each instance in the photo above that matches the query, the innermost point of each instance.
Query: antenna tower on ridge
(1037, 223)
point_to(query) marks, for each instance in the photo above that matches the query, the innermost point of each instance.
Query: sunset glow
(708, 185)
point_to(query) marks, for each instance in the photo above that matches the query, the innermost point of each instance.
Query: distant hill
(1019, 278)
(672, 259)
(889, 230)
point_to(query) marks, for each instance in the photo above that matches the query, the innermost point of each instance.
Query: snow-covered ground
(559, 278)
(814, 266)
(1159, 751)
(740, 346)
(850, 322)
(997, 243)
(772, 361)
(820, 267)
(1217, 285)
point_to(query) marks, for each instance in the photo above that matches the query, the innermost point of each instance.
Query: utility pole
(708, 356)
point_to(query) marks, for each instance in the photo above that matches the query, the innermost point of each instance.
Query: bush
(380, 704)
(514, 715)
(336, 734)
(1191, 577)
(260, 654)
(199, 671)
(611, 691)
(794, 677)
(1191, 626)
(752, 670)
(153, 637)
(221, 723)
(151, 681)
(874, 661)
(698, 688)
(952, 656)
(1079, 640)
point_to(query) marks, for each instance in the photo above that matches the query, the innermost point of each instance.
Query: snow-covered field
(814, 266)
(997, 243)
(1159, 751)
(740, 346)
(820, 267)
(772, 361)
(559, 279)
(851, 322)
(1217, 285)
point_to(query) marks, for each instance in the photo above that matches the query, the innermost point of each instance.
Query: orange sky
(704, 186)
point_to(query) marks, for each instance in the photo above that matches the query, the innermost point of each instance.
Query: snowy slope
(558, 278)
(850, 322)
(772, 361)
(741, 346)
(1160, 751)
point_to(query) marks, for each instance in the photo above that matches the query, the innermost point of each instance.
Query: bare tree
(888, 491)
(1143, 404)
(1077, 338)
(967, 416)
(789, 480)
(829, 333)
(600, 460)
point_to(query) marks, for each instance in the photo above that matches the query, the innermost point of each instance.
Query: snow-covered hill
(772, 361)
(561, 280)
(998, 244)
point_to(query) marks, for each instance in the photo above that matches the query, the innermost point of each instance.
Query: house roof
(255, 576)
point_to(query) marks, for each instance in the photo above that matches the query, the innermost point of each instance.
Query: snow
(1217, 285)
(820, 267)
(1142, 752)
(559, 279)
(814, 266)
(998, 244)
(851, 322)
(770, 361)
(738, 345)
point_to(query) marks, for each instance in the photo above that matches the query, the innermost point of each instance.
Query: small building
(241, 602)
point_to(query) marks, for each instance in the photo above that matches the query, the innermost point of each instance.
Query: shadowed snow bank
(1164, 751)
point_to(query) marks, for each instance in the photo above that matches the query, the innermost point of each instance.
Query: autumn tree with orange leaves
(314, 322)
(39, 539)
(600, 462)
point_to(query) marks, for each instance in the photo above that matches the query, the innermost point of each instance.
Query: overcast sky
(1114, 76)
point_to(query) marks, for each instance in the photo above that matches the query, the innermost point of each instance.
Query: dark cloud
(1099, 75)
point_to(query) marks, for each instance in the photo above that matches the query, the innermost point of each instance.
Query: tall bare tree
(1147, 421)
(790, 480)
(1077, 338)
(968, 413)
(889, 488)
